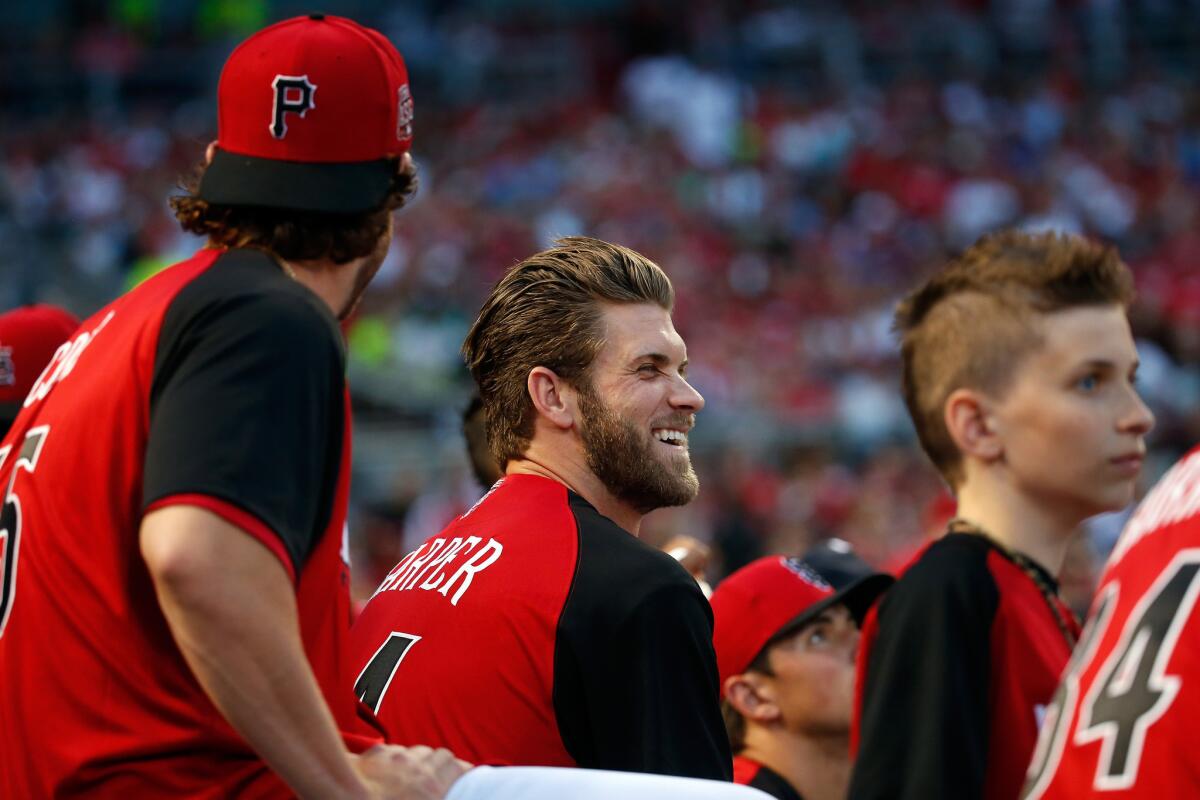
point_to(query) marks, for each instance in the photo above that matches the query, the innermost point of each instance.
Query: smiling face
(1072, 423)
(638, 408)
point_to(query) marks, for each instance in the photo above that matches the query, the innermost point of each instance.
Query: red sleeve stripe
(237, 517)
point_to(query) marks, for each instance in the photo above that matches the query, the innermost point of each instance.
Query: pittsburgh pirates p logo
(293, 95)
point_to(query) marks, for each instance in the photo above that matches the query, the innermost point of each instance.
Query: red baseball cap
(771, 597)
(28, 338)
(310, 112)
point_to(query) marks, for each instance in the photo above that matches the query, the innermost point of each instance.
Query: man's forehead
(640, 329)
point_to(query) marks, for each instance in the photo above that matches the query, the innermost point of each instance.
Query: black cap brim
(858, 597)
(332, 188)
(836, 562)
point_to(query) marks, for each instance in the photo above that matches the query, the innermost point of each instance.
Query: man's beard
(623, 458)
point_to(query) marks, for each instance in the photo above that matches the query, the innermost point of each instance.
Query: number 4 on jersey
(375, 678)
(10, 516)
(1131, 690)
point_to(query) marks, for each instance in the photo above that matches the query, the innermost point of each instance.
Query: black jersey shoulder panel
(925, 718)
(635, 680)
(246, 402)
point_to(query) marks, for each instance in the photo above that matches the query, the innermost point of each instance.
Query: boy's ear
(752, 697)
(552, 398)
(972, 426)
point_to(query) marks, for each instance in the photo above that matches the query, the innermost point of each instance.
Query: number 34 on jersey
(1121, 723)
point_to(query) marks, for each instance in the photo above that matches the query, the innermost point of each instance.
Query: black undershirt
(771, 782)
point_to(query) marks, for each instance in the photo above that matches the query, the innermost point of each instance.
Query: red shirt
(1122, 724)
(534, 631)
(217, 383)
(956, 665)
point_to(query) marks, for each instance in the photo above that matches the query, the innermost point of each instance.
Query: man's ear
(552, 397)
(972, 425)
(752, 696)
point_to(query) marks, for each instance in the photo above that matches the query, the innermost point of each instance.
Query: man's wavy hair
(290, 234)
(547, 311)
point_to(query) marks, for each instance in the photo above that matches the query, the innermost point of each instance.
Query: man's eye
(1088, 383)
(648, 369)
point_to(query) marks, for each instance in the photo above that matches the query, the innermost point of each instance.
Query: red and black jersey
(218, 383)
(535, 631)
(956, 665)
(1121, 723)
(748, 772)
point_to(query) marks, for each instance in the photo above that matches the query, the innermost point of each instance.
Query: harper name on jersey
(442, 566)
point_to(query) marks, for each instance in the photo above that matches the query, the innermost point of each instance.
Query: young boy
(1018, 372)
(785, 642)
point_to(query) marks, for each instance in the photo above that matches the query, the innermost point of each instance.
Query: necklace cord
(1029, 567)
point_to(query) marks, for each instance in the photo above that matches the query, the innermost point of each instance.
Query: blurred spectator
(484, 467)
(29, 338)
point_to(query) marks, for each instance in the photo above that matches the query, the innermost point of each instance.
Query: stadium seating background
(793, 166)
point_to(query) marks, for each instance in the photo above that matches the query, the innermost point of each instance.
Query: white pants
(550, 783)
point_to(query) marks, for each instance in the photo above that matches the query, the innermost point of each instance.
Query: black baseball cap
(835, 560)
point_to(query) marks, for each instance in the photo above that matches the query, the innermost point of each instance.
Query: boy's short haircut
(971, 324)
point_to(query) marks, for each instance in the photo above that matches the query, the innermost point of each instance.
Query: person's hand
(408, 773)
(694, 555)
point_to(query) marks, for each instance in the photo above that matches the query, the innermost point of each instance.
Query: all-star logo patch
(807, 573)
(8, 370)
(404, 113)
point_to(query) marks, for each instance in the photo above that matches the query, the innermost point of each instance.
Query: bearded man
(537, 629)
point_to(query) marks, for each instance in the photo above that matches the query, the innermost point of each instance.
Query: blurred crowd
(793, 166)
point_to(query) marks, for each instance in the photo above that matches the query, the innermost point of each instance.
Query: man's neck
(320, 278)
(817, 767)
(574, 473)
(323, 281)
(1018, 521)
